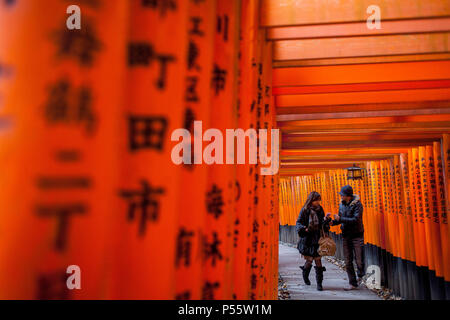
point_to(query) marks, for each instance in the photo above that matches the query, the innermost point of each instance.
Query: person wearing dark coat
(309, 224)
(350, 218)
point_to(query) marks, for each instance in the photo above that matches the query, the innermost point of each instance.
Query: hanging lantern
(354, 173)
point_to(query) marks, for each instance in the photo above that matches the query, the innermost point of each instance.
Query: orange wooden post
(375, 205)
(192, 210)
(58, 197)
(368, 205)
(409, 207)
(396, 204)
(282, 203)
(415, 207)
(371, 237)
(425, 185)
(381, 215)
(433, 219)
(442, 209)
(150, 191)
(386, 205)
(221, 181)
(401, 215)
(266, 122)
(420, 223)
(446, 175)
(337, 198)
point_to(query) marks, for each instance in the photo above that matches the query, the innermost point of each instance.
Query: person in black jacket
(309, 224)
(350, 218)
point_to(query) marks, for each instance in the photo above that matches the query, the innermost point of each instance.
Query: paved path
(334, 280)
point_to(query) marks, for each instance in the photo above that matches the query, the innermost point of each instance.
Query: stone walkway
(334, 280)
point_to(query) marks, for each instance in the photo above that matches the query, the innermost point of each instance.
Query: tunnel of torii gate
(90, 180)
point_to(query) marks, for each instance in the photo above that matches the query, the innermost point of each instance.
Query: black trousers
(354, 249)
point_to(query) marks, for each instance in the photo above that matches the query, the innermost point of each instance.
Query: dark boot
(306, 270)
(319, 276)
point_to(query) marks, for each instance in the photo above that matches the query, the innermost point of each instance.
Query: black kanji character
(195, 30)
(67, 105)
(208, 290)
(186, 295)
(238, 191)
(143, 54)
(191, 89)
(162, 5)
(211, 250)
(144, 203)
(192, 57)
(140, 54)
(164, 59)
(214, 201)
(146, 132)
(189, 118)
(218, 79)
(52, 286)
(79, 44)
(222, 26)
(62, 212)
(184, 246)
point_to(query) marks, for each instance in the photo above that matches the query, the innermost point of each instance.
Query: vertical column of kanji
(285, 202)
(293, 203)
(400, 217)
(394, 208)
(415, 207)
(374, 203)
(446, 167)
(368, 207)
(425, 185)
(343, 177)
(241, 271)
(409, 207)
(270, 163)
(281, 203)
(385, 200)
(420, 210)
(256, 220)
(365, 202)
(192, 209)
(379, 201)
(334, 181)
(329, 191)
(434, 228)
(149, 191)
(260, 208)
(369, 204)
(60, 191)
(442, 209)
(288, 200)
(221, 180)
(333, 197)
(275, 211)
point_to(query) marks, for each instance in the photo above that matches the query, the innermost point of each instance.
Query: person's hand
(306, 230)
(336, 217)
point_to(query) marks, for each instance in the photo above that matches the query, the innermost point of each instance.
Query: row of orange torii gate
(406, 206)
